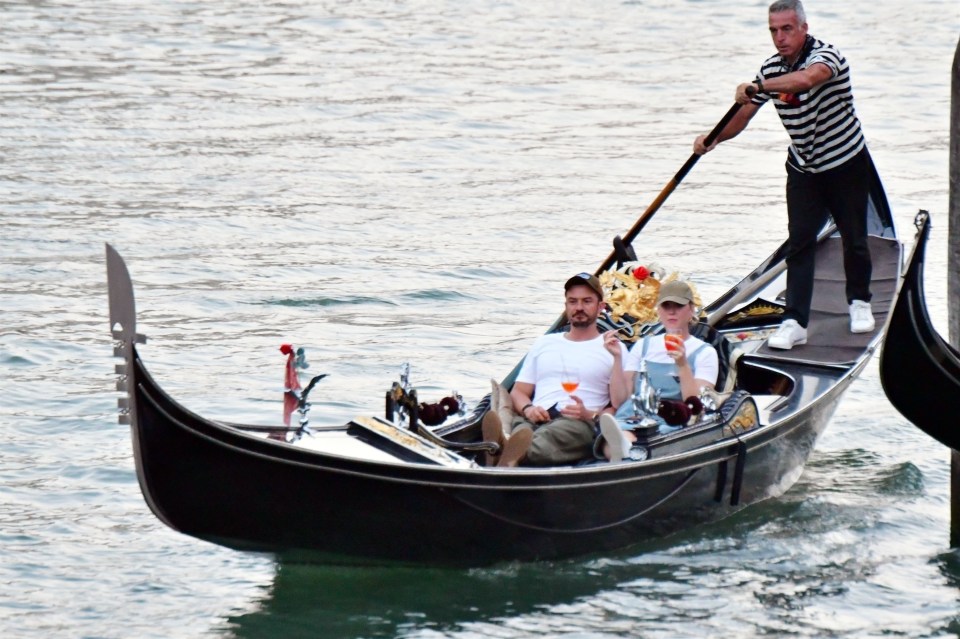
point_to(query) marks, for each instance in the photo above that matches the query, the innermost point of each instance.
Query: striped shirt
(823, 127)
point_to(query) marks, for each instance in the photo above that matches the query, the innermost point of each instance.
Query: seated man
(554, 426)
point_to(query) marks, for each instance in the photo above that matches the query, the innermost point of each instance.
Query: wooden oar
(643, 219)
(669, 188)
(757, 280)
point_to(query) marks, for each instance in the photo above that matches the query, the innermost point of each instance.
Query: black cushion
(722, 345)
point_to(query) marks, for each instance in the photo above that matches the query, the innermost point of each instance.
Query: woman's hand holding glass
(673, 341)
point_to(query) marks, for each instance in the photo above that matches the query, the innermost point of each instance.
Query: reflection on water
(665, 588)
(751, 567)
(950, 568)
(389, 602)
(351, 602)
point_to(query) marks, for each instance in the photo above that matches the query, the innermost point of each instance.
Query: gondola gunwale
(283, 452)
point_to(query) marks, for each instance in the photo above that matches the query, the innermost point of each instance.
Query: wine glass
(673, 340)
(570, 379)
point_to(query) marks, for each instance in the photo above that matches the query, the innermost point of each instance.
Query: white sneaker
(861, 317)
(788, 335)
(616, 438)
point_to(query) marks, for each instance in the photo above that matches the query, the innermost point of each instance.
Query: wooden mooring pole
(953, 275)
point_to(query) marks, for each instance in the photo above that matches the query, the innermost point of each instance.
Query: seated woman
(677, 364)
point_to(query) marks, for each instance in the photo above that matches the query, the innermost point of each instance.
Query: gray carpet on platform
(829, 340)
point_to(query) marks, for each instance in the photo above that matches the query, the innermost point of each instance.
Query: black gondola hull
(919, 370)
(213, 482)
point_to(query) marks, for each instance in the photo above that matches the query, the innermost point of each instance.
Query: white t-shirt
(543, 367)
(705, 366)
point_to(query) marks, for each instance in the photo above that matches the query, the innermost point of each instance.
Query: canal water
(392, 182)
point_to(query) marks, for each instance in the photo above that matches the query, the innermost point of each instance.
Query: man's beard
(582, 321)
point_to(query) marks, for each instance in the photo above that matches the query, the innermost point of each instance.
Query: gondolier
(828, 166)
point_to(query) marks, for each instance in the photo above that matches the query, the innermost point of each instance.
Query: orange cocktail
(672, 341)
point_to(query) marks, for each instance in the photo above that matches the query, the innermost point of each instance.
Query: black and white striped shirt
(822, 123)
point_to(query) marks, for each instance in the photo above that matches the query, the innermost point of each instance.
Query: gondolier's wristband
(759, 84)
(523, 411)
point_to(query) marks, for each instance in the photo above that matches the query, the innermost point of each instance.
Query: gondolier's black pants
(842, 192)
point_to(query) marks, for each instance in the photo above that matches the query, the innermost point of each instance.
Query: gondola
(919, 370)
(386, 488)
